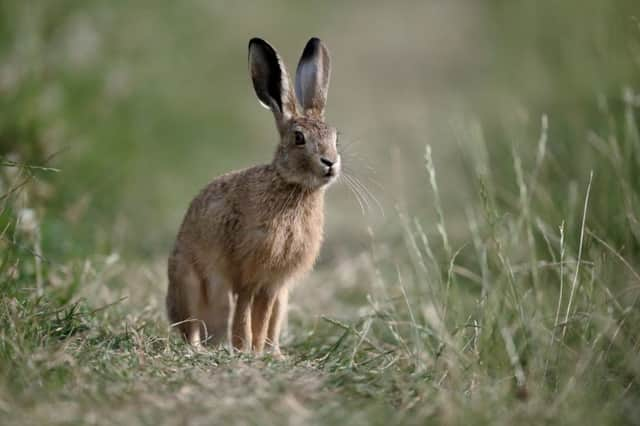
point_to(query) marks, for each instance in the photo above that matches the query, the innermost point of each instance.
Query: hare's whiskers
(366, 190)
(355, 194)
(357, 190)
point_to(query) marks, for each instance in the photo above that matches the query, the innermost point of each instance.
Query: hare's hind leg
(183, 300)
(217, 310)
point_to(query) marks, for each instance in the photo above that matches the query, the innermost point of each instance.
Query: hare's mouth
(330, 175)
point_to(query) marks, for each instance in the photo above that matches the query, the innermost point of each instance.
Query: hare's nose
(327, 162)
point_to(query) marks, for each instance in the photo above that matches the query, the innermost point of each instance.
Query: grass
(524, 321)
(501, 288)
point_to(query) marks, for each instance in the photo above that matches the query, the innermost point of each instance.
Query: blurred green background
(141, 103)
(505, 294)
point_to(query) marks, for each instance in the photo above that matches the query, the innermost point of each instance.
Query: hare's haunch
(249, 234)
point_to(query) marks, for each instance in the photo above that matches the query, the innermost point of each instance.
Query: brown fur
(249, 234)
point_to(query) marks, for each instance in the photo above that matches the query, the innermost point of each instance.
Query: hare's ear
(270, 80)
(312, 77)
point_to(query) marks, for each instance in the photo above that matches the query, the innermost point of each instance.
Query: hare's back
(224, 203)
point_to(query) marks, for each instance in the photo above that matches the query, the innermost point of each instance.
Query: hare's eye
(299, 138)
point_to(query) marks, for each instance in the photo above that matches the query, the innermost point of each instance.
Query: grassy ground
(501, 286)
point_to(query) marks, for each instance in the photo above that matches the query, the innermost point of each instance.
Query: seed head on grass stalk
(438, 204)
(442, 228)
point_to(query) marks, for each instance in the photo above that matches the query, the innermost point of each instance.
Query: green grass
(525, 321)
(501, 286)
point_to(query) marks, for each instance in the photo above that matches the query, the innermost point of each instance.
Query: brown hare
(251, 233)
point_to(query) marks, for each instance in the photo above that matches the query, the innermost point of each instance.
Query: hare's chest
(288, 244)
(302, 240)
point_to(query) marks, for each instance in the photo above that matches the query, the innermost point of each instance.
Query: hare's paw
(276, 355)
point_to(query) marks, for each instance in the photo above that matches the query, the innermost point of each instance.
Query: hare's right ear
(312, 77)
(270, 80)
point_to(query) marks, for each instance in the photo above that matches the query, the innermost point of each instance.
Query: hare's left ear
(312, 77)
(271, 81)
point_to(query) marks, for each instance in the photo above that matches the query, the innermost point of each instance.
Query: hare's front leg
(278, 317)
(241, 326)
(260, 315)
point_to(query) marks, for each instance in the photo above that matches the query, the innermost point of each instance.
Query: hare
(251, 233)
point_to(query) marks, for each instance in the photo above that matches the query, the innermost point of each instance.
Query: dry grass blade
(574, 284)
